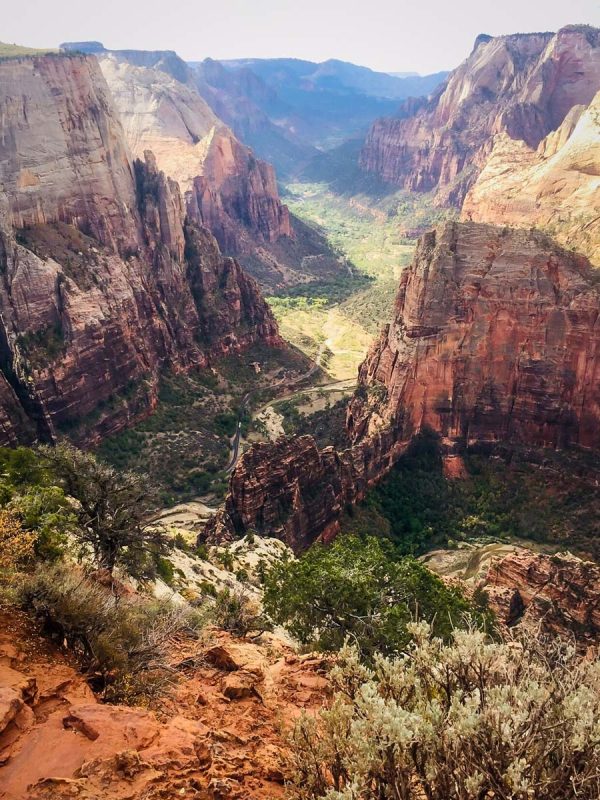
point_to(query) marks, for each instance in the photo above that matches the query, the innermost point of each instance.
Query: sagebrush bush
(122, 641)
(473, 719)
(239, 613)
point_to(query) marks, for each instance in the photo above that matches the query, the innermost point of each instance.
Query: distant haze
(386, 35)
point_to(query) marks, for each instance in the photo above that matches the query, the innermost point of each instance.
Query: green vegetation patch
(418, 508)
(358, 589)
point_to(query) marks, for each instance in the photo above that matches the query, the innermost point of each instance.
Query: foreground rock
(495, 340)
(218, 737)
(559, 593)
(104, 281)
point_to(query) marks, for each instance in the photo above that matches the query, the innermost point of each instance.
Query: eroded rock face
(495, 339)
(521, 86)
(103, 280)
(555, 186)
(226, 188)
(560, 593)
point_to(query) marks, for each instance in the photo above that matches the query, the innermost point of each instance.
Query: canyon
(512, 133)
(105, 278)
(225, 187)
(495, 339)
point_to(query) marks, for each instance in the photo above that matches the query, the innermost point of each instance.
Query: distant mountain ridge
(336, 74)
(288, 109)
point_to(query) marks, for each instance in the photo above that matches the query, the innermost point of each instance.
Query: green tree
(113, 510)
(356, 588)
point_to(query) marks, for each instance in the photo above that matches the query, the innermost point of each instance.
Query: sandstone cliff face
(226, 188)
(560, 593)
(293, 490)
(62, 154)
(555, 186)
(496, 337)
(102, 281)
(521, 86)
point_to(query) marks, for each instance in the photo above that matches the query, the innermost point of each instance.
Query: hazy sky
(389, 35)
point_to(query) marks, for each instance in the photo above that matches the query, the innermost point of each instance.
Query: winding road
(235, 440)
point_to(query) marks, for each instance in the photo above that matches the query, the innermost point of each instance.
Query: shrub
(165, 570)
(357, 588)
(112, 510)
(123, 643)
(238, 613)
(467, 720)
(46, 511)
(16, 544)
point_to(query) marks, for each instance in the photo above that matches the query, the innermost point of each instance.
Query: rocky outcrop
(521, 87)
(226, 188)
(555, 186)
(495, 339)
(293, 490)
(559, 593)
(217, 736)
(103, 281)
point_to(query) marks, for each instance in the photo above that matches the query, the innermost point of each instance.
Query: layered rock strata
(226, 188)
(520, 87)
(558, 593)
(104, 280)
(495, 339)
(555, 186)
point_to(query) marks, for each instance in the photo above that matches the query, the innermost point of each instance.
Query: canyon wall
(555, 187)
(227, 189)
(496, 125)
(103, 279)
(495, 339)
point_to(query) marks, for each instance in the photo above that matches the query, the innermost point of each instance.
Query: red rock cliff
(102, 280)
(496, 338)
(560, 593)
(226, 188)
(522, 86)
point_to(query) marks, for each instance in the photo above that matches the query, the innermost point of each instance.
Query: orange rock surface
(57, 742)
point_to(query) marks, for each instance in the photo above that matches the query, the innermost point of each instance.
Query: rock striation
(555, 186)
(559, 593)
(226, 188)
(293, 490)
(520, 87)
(104, 279)
(495, 339)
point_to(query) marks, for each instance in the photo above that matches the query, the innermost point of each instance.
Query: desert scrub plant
(236, 611)
(468, 720)
(122, 641)
(112, 510)
(358, 587)
(17, 545)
